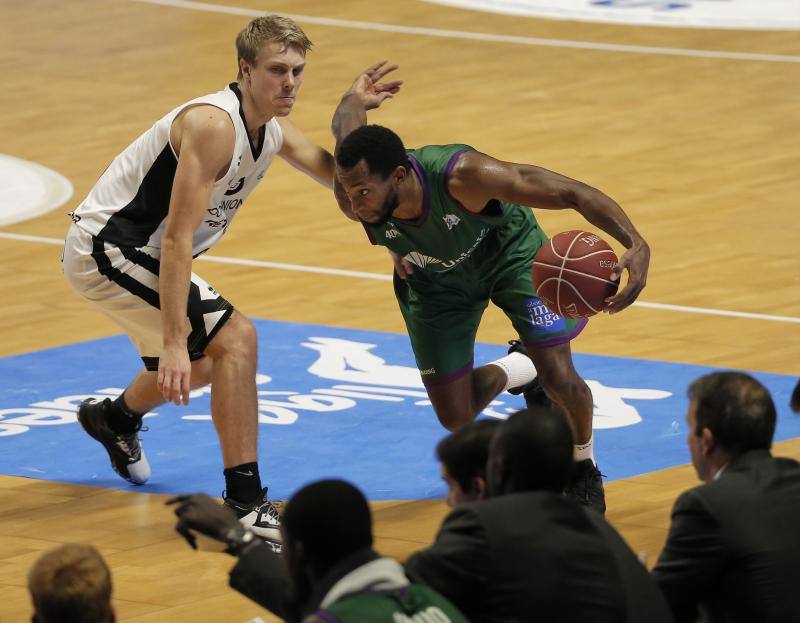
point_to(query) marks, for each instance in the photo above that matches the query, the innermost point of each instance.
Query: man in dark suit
(527, 552)
(733, 550)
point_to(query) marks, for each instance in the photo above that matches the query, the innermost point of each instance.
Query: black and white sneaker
(586, 485)
(533, 392)
(262, 517)
(124, 450)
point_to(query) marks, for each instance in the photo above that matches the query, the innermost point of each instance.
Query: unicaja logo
(451, 220)
(418, 259)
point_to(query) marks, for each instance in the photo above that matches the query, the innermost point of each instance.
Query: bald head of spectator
(71, 583)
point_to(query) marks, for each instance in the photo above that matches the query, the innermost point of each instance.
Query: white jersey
(128, 205)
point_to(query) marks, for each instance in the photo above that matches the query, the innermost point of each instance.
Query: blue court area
(332, 403)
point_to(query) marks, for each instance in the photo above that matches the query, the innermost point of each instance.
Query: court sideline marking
(481, 36)
(320, 270)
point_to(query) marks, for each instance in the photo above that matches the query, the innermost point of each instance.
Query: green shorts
(442, 314)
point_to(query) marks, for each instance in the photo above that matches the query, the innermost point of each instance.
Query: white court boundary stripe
(480, 36)
(379, 277)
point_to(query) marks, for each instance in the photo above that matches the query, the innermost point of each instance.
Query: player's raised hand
(636, 261)
(174, 375)
(369, 88)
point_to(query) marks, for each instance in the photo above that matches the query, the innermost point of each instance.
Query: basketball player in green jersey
(455, 224)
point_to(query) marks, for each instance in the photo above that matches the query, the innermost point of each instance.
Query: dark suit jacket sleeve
(693, 556)
(456, 565)
(261, 575)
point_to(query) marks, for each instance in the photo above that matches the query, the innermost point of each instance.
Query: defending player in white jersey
(168, 197)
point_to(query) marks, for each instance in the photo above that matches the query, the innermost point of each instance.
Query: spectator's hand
(636, 261)
(200, 513)
(370, 90)
(402, 266)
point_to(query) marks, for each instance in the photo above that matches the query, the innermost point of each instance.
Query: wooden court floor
(701, 152)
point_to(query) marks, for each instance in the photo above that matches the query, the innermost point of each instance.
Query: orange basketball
(572, 273)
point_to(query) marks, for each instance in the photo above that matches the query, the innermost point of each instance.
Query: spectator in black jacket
(733, 550)
(329, 571)
(527, 552)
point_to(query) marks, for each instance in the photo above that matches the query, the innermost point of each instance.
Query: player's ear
(478, 487)
(244, 67)
(400, 174)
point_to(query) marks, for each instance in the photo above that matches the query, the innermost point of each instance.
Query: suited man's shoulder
(528, 502)
(748, 477)
(497, 515)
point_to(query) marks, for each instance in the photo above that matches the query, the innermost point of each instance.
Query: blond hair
(267, 29)
(71, 583)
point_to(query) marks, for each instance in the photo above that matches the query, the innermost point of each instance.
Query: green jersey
(447, 238)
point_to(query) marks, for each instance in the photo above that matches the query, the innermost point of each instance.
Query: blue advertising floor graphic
(332, 403)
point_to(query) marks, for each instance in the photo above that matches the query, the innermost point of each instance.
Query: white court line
(380, 277)
(296, 267)
(480, 36)
(716, 312)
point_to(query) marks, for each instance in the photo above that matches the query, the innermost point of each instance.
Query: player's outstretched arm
(477, 178)
(366, 93)
(308, 157)
(203, 136)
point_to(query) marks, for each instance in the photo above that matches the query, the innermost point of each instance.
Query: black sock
(121, 419)
(242, 482)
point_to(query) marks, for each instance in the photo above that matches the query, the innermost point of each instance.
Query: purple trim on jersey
(426, 199)
(327, 616)
(448, 170)
(449, 378)
(561, 339)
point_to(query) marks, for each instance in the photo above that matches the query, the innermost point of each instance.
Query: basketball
(572, 273)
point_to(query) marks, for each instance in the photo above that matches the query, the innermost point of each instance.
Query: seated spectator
(527, 552)
(333, 572)
(71, 584)
(463, 456)
(733, 549)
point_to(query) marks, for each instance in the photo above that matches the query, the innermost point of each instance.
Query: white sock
(585, 451)
(518, 368)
